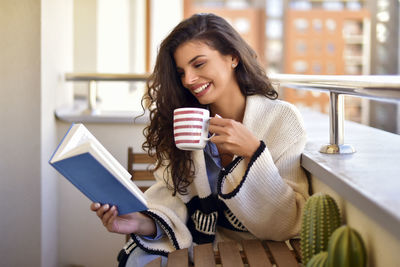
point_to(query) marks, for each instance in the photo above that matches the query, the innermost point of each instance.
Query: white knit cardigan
(264, 198)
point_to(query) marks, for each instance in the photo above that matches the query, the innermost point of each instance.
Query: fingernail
(218, 116)
(106, 206)
(97, 205)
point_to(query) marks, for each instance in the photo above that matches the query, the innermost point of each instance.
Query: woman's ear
(235, 61)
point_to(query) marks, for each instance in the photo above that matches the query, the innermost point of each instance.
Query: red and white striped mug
(191, 128)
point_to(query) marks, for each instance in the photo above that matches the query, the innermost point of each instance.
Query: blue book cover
(95, 172)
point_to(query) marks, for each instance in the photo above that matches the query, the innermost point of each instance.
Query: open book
(84, 161)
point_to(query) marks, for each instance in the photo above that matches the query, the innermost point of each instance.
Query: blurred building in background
(317, 37)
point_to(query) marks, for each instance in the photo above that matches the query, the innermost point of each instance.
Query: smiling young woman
(247, 182)
(207, 74)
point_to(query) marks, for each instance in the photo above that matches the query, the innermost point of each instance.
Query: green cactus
(321, 217)
(346, 248)
(318, 260)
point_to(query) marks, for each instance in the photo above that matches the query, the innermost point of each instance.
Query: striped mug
(191, 128)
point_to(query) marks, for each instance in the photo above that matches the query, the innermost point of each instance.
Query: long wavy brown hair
(165, 91)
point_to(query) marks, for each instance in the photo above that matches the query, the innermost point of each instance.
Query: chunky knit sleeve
(170, 213)
(267, 194)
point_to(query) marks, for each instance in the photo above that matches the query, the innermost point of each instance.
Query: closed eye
(198, 65)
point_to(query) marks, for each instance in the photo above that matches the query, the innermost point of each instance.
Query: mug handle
(208, 138)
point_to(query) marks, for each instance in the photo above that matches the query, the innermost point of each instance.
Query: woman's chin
(204, 100)
(204, 97)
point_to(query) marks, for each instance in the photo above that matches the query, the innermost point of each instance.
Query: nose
(189, 78)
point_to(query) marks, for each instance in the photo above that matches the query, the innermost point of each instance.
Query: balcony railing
(380, 87)
(93, 78)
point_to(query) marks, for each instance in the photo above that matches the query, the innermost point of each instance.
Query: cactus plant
(321, 217)
(346, 248)
(318, 260)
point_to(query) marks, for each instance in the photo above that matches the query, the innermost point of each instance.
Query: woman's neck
(230, 107)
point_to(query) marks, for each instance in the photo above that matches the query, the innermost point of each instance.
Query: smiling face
(204, 71)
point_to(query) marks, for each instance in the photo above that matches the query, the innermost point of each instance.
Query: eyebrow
(196, 57)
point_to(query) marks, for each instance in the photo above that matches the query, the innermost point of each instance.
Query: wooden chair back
(140, 166)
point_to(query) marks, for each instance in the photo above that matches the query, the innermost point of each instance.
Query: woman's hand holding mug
(233, 137)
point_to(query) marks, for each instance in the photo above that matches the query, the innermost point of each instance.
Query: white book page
(77, 135)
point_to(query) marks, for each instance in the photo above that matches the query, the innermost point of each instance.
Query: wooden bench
(140, 166)
(252, 253)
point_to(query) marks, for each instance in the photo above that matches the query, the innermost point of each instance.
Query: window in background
(115, 26)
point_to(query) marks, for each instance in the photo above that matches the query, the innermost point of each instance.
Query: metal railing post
(336, 127)
(91, 98)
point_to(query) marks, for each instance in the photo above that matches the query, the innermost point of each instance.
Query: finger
(217, 139)
(95, 206)
(217, 129)
(109, 216)
(100, 212)
(217, 121)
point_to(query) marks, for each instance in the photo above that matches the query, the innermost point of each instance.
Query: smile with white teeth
(201, 88)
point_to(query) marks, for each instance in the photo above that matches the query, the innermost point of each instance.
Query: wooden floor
(252, 253)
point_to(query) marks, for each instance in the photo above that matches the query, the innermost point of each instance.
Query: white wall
(56, 59)
(34, 52)
(85, 38)
(20, 172)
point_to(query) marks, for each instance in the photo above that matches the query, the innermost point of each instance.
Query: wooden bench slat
(282, 255)
(295, 243)
(142, 158)
(204, 255)
(178, 258)
(154, 263)
(255, 253)
(142, 175)
(230, 254)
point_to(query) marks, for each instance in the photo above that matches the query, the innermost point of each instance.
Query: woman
(247, 182)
